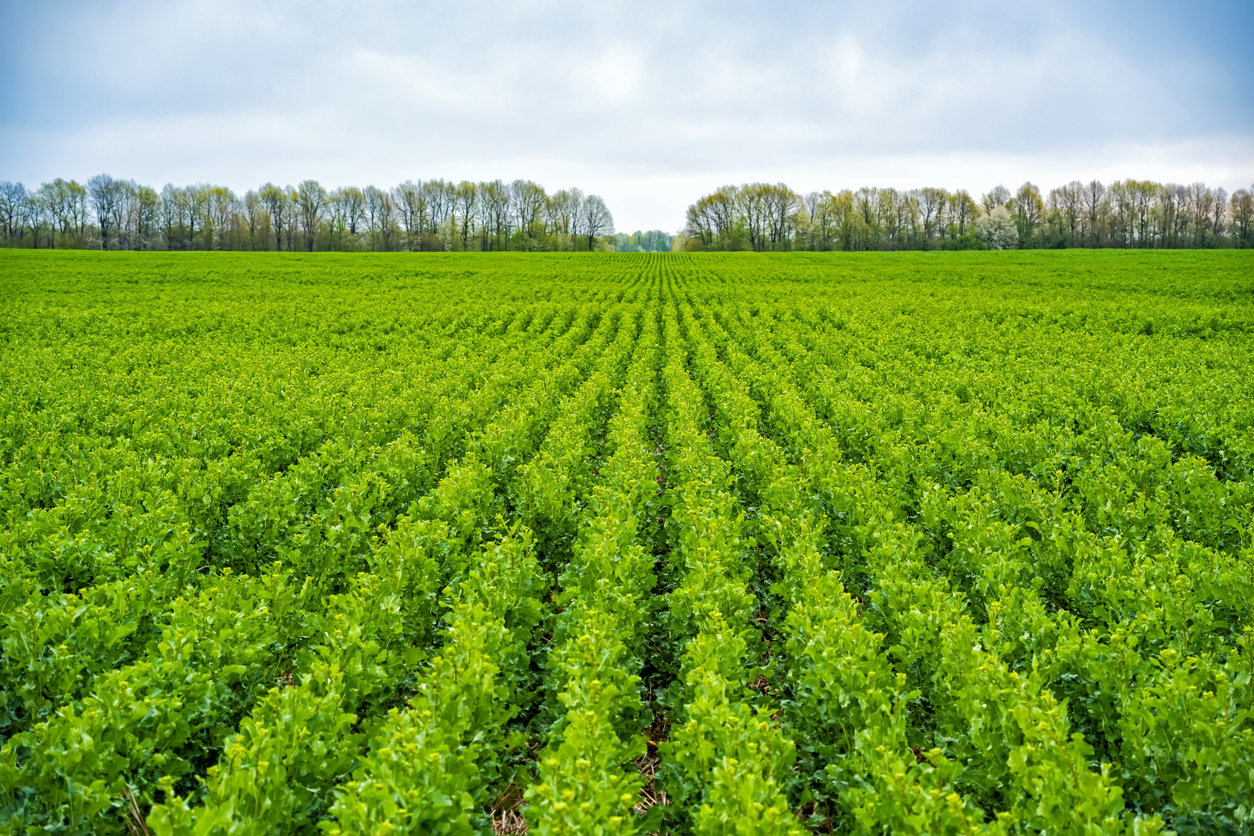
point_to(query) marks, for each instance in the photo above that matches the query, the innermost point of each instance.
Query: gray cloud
(649, 104)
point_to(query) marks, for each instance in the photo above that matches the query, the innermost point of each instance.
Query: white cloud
(649, 105)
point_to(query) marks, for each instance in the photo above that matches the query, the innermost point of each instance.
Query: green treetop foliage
(1129, 213)
(432, 215)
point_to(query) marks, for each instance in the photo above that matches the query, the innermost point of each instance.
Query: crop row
(648, 545)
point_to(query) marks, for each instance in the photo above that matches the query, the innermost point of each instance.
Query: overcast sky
(648, 104)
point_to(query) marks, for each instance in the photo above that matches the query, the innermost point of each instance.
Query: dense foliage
(108, 213)
(908, 543)
(1138, 214)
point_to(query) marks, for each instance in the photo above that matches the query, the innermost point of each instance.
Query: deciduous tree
(311, 200)
(278, 208)
(998, 229)
(597, 221)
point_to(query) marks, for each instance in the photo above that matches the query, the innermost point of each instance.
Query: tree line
(432, 215)
(653, 241)
(1128, 213)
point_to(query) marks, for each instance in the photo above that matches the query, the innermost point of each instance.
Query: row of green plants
(961, 695)
(727, 763)
(585, 776)
(433, 765)
(302, 524)
(1008, 570)
(645, 545)
(52, 651)
(265, 777)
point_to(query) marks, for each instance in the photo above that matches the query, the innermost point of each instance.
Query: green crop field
(884, 543)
